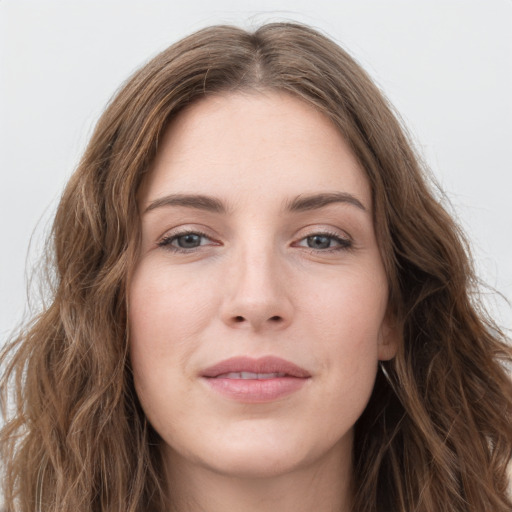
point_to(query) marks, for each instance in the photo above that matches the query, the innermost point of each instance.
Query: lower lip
(256, 390)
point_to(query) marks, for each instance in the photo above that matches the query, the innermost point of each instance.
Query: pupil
(189, 241)
(319, 242)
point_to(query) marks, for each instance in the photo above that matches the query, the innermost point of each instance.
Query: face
(257, 308)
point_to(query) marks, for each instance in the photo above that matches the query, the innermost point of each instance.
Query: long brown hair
(436, 434)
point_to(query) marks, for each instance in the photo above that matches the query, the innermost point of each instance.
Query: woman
(259, 304)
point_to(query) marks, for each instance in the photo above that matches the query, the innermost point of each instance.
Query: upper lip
(268, 364)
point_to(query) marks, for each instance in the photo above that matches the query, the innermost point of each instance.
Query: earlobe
(389, 340)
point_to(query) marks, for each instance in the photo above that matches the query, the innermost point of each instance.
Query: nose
(257, 292)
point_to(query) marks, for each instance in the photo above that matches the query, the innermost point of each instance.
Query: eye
(325, 242)
(184, 242)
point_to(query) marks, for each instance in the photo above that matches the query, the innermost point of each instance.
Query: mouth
(260, 380)
(250, 375)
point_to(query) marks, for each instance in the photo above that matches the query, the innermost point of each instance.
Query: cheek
(166, 305)
(345, 317)
(349, 305)
(167, 312)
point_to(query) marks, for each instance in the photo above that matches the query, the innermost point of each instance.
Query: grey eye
(319, 241)
(185, 242)
(325, 242)
(188, 241)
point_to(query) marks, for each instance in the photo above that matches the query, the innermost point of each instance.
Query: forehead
(254, 145)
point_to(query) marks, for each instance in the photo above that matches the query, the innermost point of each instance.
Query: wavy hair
(436, 434)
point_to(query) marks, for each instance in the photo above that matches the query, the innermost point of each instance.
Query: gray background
(445, 64)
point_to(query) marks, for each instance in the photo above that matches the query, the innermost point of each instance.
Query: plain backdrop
(445, 64)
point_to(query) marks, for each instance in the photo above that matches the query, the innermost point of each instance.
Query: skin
(255, 287)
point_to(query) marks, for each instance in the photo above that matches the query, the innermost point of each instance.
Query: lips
(250, 375)
(263, 365)
(255, 380)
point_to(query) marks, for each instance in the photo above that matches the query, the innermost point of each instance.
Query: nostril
(239, 319)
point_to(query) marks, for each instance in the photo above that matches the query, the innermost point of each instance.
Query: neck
(323, 486)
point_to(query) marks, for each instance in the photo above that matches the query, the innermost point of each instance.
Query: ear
(390, 337)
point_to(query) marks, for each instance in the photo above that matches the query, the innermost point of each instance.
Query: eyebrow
(315, 201)
(197, 201)
(212, 204)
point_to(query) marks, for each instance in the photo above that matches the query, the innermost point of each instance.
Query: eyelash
(166, 241)
(344, 244)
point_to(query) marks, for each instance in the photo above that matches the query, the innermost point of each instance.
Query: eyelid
(323, 229)
(165, 241)
(344, 240)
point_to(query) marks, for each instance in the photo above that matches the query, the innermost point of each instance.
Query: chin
(257, 463)
(262, 454)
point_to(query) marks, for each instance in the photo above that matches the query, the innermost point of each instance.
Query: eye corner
(322, 241)
(186, 242)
